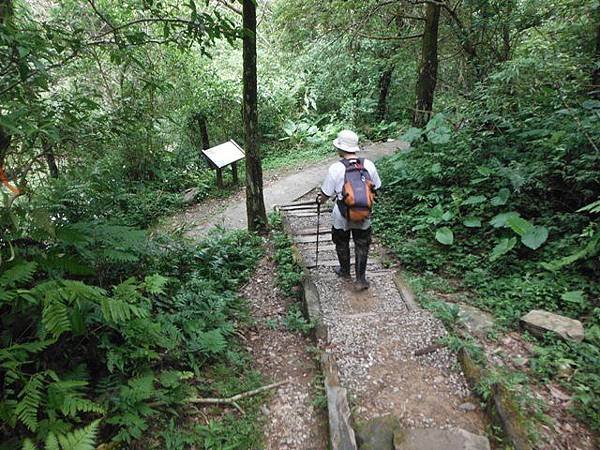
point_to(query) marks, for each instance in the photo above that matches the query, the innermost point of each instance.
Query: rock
(432, 439)
(189, 196)
(467, 406)
(378, 433)
(520, 361)
(476, 321)
(539, 322)
(559, 394)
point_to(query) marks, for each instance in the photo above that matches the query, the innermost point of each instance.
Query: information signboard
(224, 154)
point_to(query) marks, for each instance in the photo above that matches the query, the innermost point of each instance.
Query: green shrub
(84, 342)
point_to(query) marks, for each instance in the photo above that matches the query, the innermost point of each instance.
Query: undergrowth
(128, 329)
(513, 229)
(289, 277)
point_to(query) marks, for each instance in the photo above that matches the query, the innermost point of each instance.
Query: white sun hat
(347, 141)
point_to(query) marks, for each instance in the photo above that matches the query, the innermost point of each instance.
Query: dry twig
(234, 399)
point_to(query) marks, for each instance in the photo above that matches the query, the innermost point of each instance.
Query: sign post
(223, 155)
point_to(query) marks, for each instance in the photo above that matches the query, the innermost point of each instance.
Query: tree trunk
(596, 70)
(255, 203)
(427, 76)
(506, 50)
(385, 80)
(51, 160)
(4, 144)
(6, 9)
(204, 142)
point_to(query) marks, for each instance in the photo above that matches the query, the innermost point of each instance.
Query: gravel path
(373, 335)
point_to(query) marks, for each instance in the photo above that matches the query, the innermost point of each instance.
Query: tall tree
(5, 13)
(255, 202)
(385, 79)
(427, 76)
(596, 70)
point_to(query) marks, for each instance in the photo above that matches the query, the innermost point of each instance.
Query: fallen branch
(233, 400)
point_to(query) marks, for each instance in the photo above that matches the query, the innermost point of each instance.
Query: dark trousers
(362, 241)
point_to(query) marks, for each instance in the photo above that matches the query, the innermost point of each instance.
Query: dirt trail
(373, 335)
(293, 421)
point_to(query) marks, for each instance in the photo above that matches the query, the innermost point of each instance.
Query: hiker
(353, 181)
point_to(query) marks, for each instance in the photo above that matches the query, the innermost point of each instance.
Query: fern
(73, 405)
(51, 442)
(138, 389)
(28, 445)
(119, 311)
(212, 341)
(82, 439)
(78, 289)
(55, 317)
(65, 396)
(155, 284)
(31, 398)
(20, 273)
(6, 296)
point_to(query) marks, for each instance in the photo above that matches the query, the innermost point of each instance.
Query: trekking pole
(318, 230)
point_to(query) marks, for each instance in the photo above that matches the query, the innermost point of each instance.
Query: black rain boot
(343, 253)
(341, 239)
(361, 252)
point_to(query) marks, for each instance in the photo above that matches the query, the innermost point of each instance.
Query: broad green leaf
(445, 236)
(439, 135)
(437, 130)
(436, 168)
(576, 297)
(438, 120)
(289, 127)
(436, 212)
(472, 222)
(520, 225)
(475, 200)
(501, 198)
(500, 221)
(591, 104)
(485, 171)
(411, 135)
(303, 127)
(503, 247)
(448, 215)
(534, 237)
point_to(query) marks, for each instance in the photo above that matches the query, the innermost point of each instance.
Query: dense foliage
(103, 324)
(108, 329)
(501, 193)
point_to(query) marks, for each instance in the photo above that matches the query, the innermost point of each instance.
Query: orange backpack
(358, 192)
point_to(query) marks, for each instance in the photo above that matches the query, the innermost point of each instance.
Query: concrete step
(433, 439)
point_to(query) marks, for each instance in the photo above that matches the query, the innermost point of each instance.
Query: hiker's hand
(321, 199)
